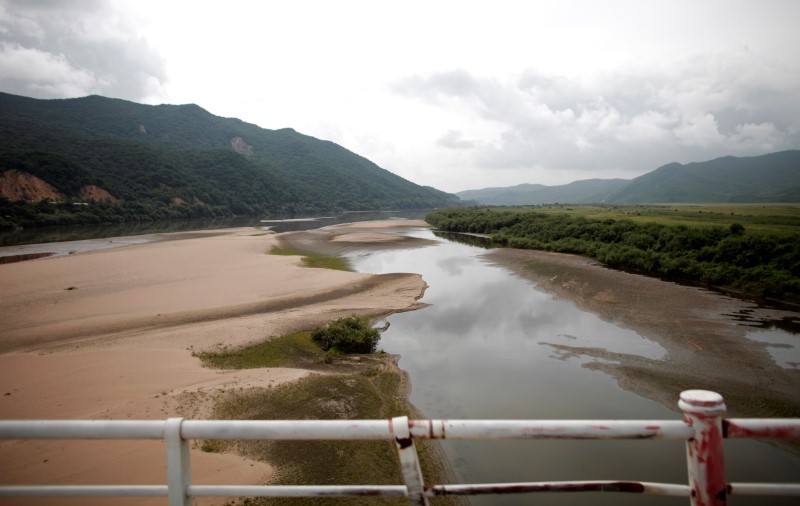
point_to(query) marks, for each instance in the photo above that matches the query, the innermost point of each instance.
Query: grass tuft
(313, 260)
(291, 350)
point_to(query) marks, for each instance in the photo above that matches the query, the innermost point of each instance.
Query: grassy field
(772, 218)
(341, 387)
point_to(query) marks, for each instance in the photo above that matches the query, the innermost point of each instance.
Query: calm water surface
(479, 352)
(274, 223)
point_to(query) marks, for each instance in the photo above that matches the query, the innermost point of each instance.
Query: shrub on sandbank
(352, 334)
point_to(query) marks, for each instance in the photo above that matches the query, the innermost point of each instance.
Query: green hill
(137, 162)
(774, 177)
(579, 192)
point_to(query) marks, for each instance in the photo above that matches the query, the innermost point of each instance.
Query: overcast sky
(456, 95)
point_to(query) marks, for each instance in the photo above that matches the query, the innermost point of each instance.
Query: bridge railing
(703, 428)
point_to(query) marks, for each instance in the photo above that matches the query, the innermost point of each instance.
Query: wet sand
(702, 331)
(109, 334)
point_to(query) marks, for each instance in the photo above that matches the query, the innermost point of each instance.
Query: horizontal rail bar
(735, 428)
(756, 428)
(665, 489)
(765, 489)
(82, 429)
(550, 429)
(296, 490)
(638, 487)
(83, 490)
(347, 429)
(287, 429)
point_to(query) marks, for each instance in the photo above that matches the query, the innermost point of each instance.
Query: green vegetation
(757, 254)
(313, 260)
(291, 350)
(352, 334)
(766, 178)
(773, 218)
(169, 162)
(371, 387)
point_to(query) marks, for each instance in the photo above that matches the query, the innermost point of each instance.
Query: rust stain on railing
(703, 429)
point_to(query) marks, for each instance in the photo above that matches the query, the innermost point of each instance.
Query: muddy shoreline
(703, 332)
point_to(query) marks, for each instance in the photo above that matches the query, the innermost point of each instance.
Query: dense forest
(168, 161)
(757, 262)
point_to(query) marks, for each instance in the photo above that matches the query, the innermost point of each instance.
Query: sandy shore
(108, 335)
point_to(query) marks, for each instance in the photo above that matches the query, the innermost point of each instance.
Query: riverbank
(110, 334)
(704, 334)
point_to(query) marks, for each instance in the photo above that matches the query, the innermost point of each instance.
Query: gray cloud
(52, 49)
(628, 122)
(452, 140)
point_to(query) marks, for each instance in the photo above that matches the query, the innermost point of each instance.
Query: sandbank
(109, 334)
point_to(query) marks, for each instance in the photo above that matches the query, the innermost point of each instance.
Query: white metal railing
(702, 427)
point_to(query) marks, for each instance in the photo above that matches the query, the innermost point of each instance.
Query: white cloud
(649, 126)
(699, 130)
(67, 49)
(43, 73)
(633, 120)
(453, 140)
(762, 137)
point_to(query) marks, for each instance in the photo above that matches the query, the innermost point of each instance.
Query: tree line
(758, 263)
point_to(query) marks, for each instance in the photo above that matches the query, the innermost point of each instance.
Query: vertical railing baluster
(179, 472)
(703, 411)
(701, 429)
(409, 462)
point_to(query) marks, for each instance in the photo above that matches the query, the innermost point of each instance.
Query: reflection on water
(783, 347)
(477, 352)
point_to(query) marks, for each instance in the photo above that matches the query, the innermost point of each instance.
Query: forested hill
(773, 177)
(133, 161)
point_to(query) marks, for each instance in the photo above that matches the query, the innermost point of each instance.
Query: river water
(478, 352)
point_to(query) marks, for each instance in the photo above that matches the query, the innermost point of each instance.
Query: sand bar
(108, 335)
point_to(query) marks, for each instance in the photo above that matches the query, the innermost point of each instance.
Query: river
(497, 344)
(484, 349)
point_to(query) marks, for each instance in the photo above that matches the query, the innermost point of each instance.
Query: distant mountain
(134, 161)
(578, 192)
(773, 177)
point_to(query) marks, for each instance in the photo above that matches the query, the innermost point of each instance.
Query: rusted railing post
(409, 462)
(703, 410)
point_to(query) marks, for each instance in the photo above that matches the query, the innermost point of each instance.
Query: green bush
(352, 334)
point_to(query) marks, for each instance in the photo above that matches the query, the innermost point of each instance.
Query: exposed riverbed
(530, 335)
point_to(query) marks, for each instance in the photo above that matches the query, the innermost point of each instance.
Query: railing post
(703, 410)
(179, 474)
(409, 462)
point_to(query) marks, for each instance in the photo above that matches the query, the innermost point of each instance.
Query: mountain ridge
(177, 161)
(773, 177)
